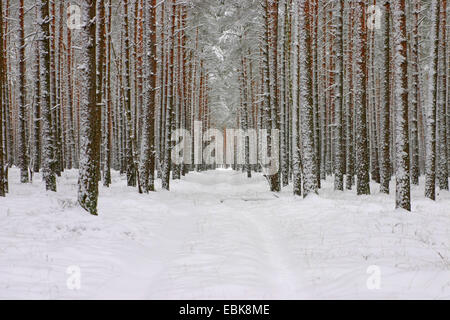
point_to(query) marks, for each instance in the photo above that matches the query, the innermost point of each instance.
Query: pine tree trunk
(130, 137)
(2, 185)
(36, 123)
(109, 117)
(46, 113)
(22, 116)
(148, 151)
(442, 102)
(350, 106)
(297, 156)
(338, 98)
(385, 108)
(430, 185)
(275, 181)
(403, 194)
(100, 54)
(415, 96)
(306, 101)
(169, 123)
(88, 179)
(361, 137)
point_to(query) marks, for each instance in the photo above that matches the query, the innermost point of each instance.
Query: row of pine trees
(357, 89)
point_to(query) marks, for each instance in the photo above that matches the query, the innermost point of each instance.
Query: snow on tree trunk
(403, 194)
(88, 182)
(148, 148)
(109, 117)
(100, 61)
(385, 109)
(46, 112)
(415, 95)
(430, 185)
(22, 143)
(306, 101)
(442, 169)
(129, 135)
(169, 120)
(339, 98)
(349, 181)
(361, 138)
(2, 185)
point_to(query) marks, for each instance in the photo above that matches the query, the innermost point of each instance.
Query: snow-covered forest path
(220, 235)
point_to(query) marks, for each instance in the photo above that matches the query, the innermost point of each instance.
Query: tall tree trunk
(362, 152)
(442, 102)
(22, 116)
(339, 98)
(109, 116)
(403, 195)
(148, 152)
(100, 56)
(47, 135)
(88, 180)
(275, 181)
(130, 137)
(415, 95)
(169, 123)
(306, 101)
(2, 185)
(385, 108)
(36, 161)
(350, 105)
(430, 185)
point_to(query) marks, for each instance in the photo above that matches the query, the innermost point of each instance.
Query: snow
(219, 235)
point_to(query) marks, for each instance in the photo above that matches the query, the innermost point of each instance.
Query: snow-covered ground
(219, 235)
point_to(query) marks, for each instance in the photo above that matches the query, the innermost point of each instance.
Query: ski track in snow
(219, 235)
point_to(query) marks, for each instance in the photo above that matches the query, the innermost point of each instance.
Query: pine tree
(403, 195)
(361, 138)
(88, 180)
(297, 154)
(415, 95)
(275, 179)
(70, 138)
(442, 170)
(430, 185)
(37, 106)
(100, 62)
(2, 185)
(130, 137)
(306, 101)
(339, 98)
(148, 150)
(385, 113)
(22, 116)
(46, 112)
(170, 110)
(350, 105)
(109, 116)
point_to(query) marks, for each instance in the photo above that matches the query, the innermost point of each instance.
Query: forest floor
(219, 235)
